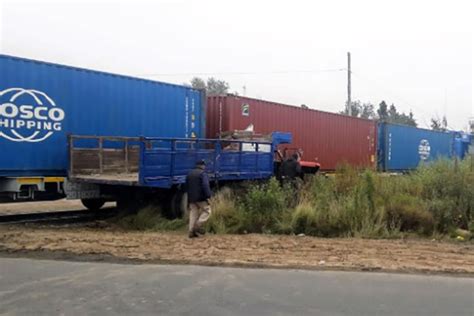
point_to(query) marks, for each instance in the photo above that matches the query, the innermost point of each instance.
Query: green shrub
(345, 178)
(148, 218)
(226, 216)
(303, 219)
(471, 227)
(449, 191)
(437, 198)
(263, 207)
(410, 212)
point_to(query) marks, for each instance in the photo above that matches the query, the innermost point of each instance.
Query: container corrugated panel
(462, 141)
(42, 102)
(328, 138)
(403, 147)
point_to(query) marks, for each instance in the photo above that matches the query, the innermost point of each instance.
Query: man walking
(199, 193)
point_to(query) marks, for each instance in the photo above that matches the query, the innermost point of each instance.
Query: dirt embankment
(242, 250)
(43, 206)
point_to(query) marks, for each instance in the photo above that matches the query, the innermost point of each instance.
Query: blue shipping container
(403, 147)
(462, 142)
(41, 103)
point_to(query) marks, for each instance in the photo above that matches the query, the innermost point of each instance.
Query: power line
(230, 73)
(294, 71)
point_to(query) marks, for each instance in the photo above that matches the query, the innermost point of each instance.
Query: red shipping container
(327, 138)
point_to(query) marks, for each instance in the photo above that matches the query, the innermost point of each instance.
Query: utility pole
(349, 102)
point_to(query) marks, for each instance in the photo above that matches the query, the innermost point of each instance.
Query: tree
(439, 125)
(382, 111)
(368, 111)
(355, 108)
(435, 124)
(198, 83)
(392, 115)
(212, 86)
(409, 119)
(363, 110)
(406, 119)
(216, 87)
(445, 122)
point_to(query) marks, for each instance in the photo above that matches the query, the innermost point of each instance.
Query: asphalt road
(41, 287)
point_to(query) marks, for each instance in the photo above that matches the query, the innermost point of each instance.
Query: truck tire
(181, 204)
(177, 206)
(93, 204)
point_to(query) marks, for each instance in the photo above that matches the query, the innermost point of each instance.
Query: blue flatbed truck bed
(112, 168)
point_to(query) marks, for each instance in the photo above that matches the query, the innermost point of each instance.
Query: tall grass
(434, 199)
(227, 217)
(148, 218)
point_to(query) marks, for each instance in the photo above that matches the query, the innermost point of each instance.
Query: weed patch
(434, 200)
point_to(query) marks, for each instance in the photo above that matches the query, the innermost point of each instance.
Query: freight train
(332, 139)
(141, 135)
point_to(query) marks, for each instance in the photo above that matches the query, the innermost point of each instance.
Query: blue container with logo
(41, 103)
(401, 148)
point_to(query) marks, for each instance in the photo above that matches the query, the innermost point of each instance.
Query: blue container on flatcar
(401, 147)
(462, 142)
(41, 103)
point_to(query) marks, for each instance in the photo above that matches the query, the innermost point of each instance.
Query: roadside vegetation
(435, 200)
(148, 218)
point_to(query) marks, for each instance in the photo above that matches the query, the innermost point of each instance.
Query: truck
(134, 169)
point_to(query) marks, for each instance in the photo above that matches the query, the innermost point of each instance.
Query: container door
(193, 114)
(381, 147)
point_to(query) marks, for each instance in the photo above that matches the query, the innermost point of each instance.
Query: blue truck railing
(165, 162)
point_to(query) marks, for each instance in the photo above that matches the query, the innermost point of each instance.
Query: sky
(415, 54)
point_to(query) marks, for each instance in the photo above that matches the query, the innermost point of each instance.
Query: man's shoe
(193, 234)
(201, 231)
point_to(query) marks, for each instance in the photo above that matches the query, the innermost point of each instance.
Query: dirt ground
(102, 242)
(43, 206)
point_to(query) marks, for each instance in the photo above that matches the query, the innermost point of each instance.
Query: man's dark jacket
(197, 184)
(290, 169)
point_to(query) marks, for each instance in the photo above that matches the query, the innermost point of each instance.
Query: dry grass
(434, 200)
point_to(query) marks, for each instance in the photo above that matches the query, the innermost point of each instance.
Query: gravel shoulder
(274, 251)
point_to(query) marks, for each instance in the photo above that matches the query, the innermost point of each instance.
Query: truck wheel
(179, 203)
(93, 204)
